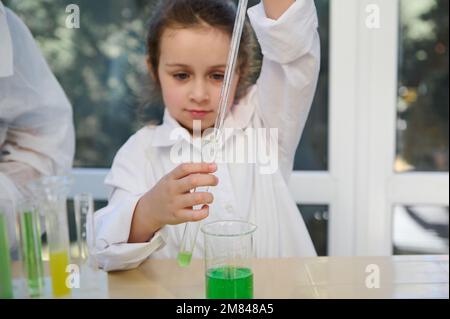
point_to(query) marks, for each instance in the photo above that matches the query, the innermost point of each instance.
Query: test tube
(6, 280)
(84, 216)
(188, 243)
(191, 229)
(93, 280)
(31, 248)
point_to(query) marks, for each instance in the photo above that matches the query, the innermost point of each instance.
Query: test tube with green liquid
(30, 239)
(187, 244)
(6, 283)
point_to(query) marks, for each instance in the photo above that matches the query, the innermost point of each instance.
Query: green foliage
(424, 81)
(101, 67)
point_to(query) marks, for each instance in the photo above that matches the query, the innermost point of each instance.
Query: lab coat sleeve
(113, 223)
(289, 74)
(36, 112)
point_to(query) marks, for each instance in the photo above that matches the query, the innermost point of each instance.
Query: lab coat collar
(162, 135)
(238, 119)
(6, 51)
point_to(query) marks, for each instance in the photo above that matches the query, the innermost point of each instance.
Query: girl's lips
(198, 114)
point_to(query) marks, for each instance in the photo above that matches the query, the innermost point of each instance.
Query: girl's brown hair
(219, 14)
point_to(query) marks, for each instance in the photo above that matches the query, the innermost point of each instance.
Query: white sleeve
(113, 223)
(34, 111)
(290, 70)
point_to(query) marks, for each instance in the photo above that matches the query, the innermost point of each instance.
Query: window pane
(312, 153)
(101, 67)
(422, 124)
(316, 220)
(420, 230)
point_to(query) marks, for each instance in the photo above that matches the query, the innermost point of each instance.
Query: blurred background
(101, 67)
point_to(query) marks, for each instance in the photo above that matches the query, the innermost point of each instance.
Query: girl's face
(191, 72)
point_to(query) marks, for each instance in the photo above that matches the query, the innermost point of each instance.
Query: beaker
(31, 248)
(51, 194)
(228, 257)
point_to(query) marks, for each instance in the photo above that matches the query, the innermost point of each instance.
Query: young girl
(152, 196)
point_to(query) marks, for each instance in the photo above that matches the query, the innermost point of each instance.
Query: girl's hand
(171, 202)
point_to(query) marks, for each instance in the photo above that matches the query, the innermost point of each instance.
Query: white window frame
(363, 104)
(361, 187)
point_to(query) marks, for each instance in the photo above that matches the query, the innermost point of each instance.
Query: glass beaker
(228, 256)
(31, 248)
(93, 280)
(52, 193)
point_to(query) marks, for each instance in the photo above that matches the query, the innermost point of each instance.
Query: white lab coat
(36, 126)
(281, 99)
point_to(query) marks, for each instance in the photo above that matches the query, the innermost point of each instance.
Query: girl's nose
(199, 92)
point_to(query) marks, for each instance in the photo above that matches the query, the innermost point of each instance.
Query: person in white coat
(153, 195)
(36, 125)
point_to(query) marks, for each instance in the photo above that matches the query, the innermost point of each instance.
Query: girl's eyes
(185, 76)
(217, 76)
(181, 76)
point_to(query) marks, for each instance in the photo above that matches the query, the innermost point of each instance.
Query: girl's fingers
(194, 199)
(190, 215)
(196, 180)
(186, 169)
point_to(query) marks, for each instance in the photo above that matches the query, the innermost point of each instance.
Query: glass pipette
(191, 229)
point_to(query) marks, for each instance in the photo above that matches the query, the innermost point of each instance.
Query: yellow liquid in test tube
(58, 263)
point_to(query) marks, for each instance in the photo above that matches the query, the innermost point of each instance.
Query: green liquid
(6, 288)
(32, 253)
(184, 258)
(229, 283)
